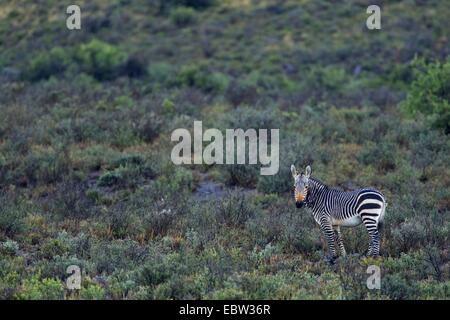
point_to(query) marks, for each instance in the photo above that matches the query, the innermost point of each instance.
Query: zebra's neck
(315, 195)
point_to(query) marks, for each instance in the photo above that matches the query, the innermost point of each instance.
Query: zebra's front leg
(339, 241)
(327, 230)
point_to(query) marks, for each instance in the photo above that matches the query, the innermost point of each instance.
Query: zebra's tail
(381, 219)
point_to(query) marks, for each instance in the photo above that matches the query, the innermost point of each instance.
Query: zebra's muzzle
(299, 204)
(299, 197)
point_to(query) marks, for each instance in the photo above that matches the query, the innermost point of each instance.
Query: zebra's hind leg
(375, 240)
(339, 241)
(374, 237)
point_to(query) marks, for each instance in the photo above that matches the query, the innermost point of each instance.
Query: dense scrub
(85, 171)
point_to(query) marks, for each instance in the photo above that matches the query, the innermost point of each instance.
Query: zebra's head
(300, 185)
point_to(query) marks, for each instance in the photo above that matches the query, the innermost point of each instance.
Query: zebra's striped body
(333, 208)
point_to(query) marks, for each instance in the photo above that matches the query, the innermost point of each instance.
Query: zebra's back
(351, 208)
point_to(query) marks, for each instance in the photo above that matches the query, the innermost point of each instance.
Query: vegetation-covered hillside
(85, 122)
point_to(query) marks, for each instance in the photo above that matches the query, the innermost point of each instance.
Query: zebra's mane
(317, 187)
(318, 183)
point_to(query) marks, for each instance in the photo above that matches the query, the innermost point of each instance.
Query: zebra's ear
(293, 171)
(308, 172)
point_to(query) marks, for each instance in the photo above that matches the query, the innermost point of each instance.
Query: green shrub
(429, 289)
(235, 209)
(9, 283)
(259, 286)
(135, 66)
(52, 248)
(153, 274)
(244, 176)
(280, 182)
(330, 77)
(129, 159)
(10, 247)
(161, 74)
(93, 157)
(182, 16)
(117, 254)
(201, 214)
(56, 266)
(51, 63)
(123, 284)
(99, 59)
(201, 77)
(228, 294)
(241, 92)
(409, 235)
(397, 286)
(159, 220)
(110, 178)
(128, 172)
(174, 182)
(125, 136)
(168, 106)
(12, 214)
(429, 93)
(92, 291)
(124, 101)
(381, 155)
(123, 224)
(41, 289)
(70, 201)
(43, 166)
(149, 126)
(324, 82)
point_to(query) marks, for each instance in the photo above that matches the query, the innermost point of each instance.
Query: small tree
(429, 93)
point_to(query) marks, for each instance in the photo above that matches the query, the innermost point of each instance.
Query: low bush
(382, 156)
(117, 254)
(182, 16)
(150, 126)
(199, 76)
(245, 176)
(397, 287)
(135, 66)
(240, 93)
(127, 172)
(429, 93)
(99, 59)
(10, 247)
(13, 210)
(51, 63)
(39, 289)
(234, 210)
(92, 291)
(161, 74)
(159, 219)
(70, 201)
(44, 165)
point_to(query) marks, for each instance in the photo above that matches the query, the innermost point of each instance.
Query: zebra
(333, 209)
